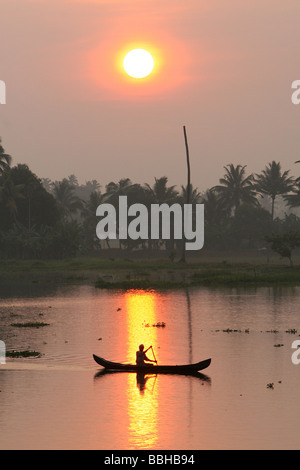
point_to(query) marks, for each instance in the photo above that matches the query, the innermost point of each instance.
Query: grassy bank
(247, 276)
(215, 276)
(147, 273)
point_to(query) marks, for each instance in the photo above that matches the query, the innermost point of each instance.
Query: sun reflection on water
(142, 309)
(142, 411)
(143, 390)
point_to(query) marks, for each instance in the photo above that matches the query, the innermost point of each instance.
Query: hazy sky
(224, 69)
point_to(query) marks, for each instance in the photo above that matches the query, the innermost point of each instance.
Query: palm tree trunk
(273, 204)
(188, 187)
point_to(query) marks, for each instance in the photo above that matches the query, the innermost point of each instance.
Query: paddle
(153, 354)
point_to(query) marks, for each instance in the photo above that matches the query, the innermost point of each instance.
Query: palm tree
(134, 192)
(273, 182)
(114, 190)
(10, 193)
(72, 179)
(88, 214)
(235, 187)
(195, 196)
(192, 196)
(293, 200)
(93, 186)
(215, 210)
(67, 201)
(160, 192)
(5, 159)
(90, 207)
(47, 183)
(124, 187)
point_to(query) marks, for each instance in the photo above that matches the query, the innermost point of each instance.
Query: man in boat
(141, 356)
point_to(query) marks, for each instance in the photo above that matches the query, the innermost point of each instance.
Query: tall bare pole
(188, 185)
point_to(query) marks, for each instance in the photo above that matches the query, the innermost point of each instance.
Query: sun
(138, 63)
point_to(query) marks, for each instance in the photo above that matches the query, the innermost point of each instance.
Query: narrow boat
(151, 368)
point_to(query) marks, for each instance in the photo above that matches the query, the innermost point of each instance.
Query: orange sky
(225, 70)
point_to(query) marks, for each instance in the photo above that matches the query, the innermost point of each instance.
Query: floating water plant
(229, 330)
(30, 325)
(157, 325)
(26, 353)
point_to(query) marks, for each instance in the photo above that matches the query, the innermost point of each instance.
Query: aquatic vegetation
(157, 325)
(30, 325)
(229, 330)
(15, 354)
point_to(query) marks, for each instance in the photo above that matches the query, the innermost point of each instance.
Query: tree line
(40, 218)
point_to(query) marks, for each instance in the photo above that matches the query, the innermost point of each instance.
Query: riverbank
(147, 273)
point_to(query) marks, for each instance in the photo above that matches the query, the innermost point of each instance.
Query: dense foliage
(44, 219)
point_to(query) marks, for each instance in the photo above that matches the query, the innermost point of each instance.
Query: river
(248, 398)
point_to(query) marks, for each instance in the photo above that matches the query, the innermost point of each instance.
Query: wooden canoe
(151, 368)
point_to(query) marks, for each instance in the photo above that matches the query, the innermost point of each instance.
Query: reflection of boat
(151, 368)
(142, 375)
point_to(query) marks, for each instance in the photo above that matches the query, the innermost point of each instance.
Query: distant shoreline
(147, 274)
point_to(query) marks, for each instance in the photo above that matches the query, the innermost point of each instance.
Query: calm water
(60, 401)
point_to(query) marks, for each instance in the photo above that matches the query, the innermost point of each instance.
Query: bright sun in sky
(138, 63)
